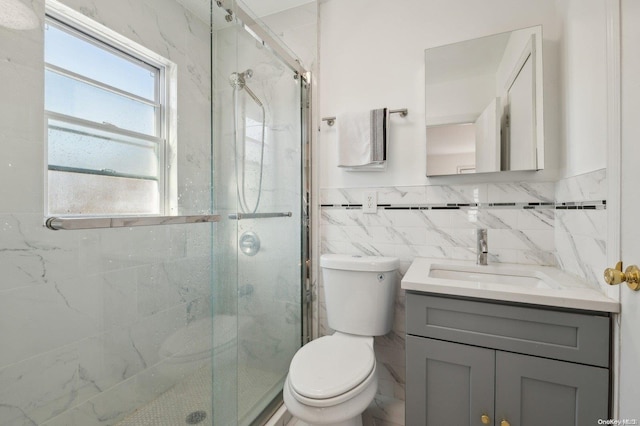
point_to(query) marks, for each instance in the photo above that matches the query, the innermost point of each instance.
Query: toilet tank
(360, 292)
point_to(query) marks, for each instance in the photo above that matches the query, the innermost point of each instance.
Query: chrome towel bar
(73, 223)
(403, 113)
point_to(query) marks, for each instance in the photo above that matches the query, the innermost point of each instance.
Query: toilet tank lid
(347, 262)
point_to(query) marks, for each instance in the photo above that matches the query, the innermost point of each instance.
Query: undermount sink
(531, 284)
(479, 274)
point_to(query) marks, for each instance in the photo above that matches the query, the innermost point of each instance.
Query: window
(105, 106)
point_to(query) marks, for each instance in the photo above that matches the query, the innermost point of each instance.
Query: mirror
(484, 104)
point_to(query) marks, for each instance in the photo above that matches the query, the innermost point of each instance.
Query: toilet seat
(339, 366)
(369, 382)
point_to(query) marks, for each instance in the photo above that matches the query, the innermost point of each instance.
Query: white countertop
(560, 289)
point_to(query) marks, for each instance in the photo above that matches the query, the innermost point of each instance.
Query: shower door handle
(73, 223)
(240, 216)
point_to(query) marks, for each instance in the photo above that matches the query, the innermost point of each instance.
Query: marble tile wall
(581, 234)
(441, 221)
(84, 314)
(526, 223)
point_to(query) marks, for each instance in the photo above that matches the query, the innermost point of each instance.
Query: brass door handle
(631, 276)
(505, 423)
(485, 419)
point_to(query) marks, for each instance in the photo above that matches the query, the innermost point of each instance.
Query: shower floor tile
(190, 400)
(172, 407)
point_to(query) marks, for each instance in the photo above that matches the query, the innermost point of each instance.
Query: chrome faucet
(482, 246)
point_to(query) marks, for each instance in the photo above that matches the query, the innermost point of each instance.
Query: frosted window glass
(79, 193)
(71, 97)
(64, 49)
(105, 151)
(83, 148)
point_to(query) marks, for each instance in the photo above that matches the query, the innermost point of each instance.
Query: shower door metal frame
(254, 28)
(307, 137)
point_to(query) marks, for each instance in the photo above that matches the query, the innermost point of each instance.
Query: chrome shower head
(238, 80)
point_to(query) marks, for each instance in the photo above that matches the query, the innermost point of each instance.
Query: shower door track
(263, 37)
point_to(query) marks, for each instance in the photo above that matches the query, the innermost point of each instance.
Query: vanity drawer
(567, 336)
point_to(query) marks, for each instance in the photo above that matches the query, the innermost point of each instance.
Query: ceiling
(263, 8)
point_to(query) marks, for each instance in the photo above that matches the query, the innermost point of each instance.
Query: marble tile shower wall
(525, 222)
(84, 317)
(84, 314)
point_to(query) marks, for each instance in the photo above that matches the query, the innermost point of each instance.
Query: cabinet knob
(505, 423)
(631, 276)
(485, 419)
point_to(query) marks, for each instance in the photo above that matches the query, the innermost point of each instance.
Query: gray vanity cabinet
(475, 363)
(448, 383)
(539, 391)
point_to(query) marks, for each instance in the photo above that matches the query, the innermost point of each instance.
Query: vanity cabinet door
(533, 391)
(448, 383)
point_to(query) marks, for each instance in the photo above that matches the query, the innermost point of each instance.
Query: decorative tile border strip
(582, 205)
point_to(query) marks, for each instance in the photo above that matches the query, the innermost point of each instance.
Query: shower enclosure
(260, 133)
(183, 321)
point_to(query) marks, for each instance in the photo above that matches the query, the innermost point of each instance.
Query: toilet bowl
(333, 379)
(340, 385)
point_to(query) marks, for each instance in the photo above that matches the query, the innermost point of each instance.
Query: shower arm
(254, 97)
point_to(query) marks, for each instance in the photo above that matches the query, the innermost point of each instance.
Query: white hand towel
(362, 138)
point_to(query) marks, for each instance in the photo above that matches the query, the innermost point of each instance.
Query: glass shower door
(270, 258)
(258, 189)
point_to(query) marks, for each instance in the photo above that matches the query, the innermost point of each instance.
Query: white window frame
(90, 31)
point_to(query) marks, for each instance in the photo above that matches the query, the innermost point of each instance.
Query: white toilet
(333, 379)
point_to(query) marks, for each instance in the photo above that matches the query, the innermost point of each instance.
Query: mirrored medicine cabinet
(484, 108)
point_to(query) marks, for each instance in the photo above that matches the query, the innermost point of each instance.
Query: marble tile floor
(189, 402)
(383, 411)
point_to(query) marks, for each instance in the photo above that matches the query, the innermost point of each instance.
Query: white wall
(297, 29)
(584, 95)
(372, 55)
